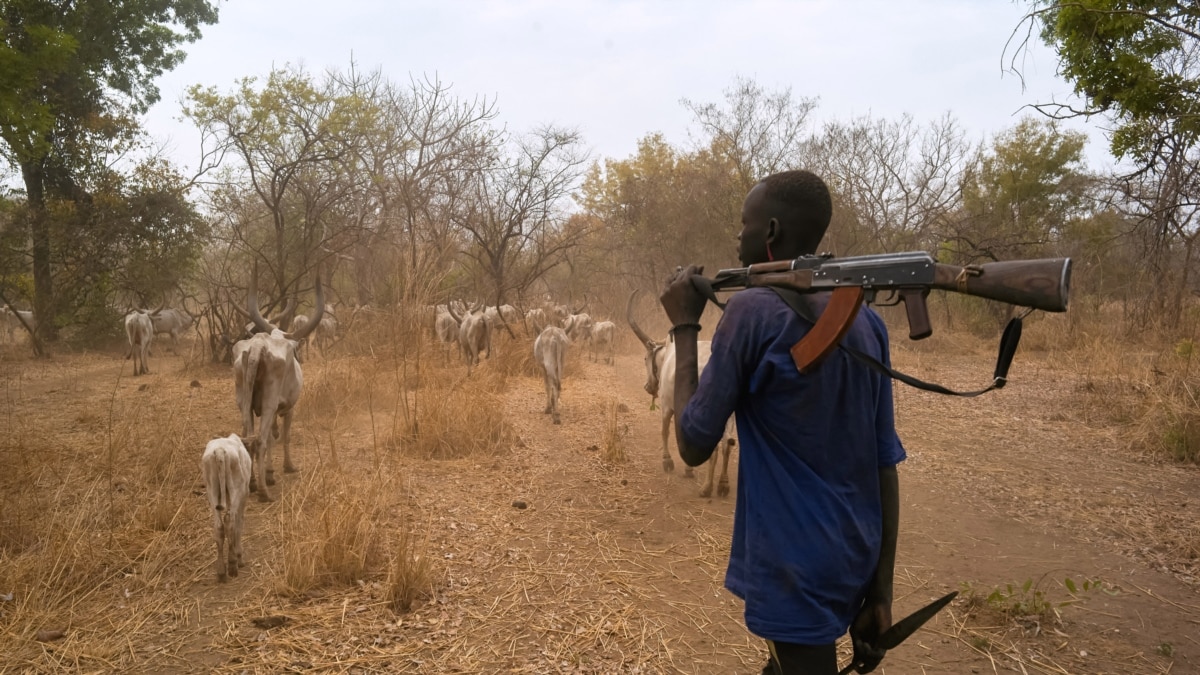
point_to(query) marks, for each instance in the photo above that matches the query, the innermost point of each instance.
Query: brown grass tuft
(332, 529)
(453, 419)
(612, 439)
(410, 575)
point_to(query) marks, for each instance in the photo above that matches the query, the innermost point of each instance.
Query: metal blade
(901, 630)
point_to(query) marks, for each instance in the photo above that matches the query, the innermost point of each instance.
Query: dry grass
(410, 575)
(612, 438)
(455, 419)
(333, 530)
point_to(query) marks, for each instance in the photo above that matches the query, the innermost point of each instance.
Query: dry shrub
(333, 530)
(453, 418)
(344, 384)
(512, 357)
(380, 332)
(410, 575)
(1170, 414)
(612, 438)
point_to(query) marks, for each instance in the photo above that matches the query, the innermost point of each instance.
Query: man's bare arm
(687, 379)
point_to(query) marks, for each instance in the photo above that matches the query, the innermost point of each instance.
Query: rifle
(905, 277)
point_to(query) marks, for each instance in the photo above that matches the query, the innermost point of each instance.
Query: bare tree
(893, 182)
(515, 207)
(761, 132)
(293, 142)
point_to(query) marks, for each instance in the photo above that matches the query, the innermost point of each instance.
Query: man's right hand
(682, 301)
(873, 619)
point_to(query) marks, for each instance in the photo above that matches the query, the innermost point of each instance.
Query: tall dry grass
(334, 527)
(1142, 379)
(96, 514)
(612, 436)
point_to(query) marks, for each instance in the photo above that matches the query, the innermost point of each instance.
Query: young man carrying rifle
(814, 535)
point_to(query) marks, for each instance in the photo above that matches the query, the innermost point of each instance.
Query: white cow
(536, 321)
(549, 350)
(140, 331)
(602, 336)
(578, 327)
(327, 330)
(268, 378)
(660, 382)
(172, 321)
(446, 327)
(226, 467)
(474, 336)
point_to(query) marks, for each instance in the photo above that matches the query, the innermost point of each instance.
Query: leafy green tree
(72, 75)
(1135, 59)
(1020, 194)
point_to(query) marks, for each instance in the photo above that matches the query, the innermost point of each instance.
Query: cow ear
(296, 350)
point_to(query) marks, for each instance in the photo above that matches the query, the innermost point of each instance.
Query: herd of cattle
(268, 379)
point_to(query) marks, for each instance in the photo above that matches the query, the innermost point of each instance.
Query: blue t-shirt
(807, 528)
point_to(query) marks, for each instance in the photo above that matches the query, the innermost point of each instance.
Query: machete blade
(901, 630)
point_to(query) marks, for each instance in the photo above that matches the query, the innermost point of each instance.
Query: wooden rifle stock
(1040, 284)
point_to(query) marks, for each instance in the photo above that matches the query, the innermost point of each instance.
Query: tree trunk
(39, 232)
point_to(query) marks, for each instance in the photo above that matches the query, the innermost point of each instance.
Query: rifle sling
(1008, 348)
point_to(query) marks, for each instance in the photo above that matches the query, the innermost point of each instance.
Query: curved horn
(456, 315)
(161, 305)
(314, 319)
(633, 324)
(252, 303)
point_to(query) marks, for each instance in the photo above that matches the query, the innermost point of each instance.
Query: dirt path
(619, 568)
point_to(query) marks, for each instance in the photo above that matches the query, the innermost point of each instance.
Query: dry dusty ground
(608, 568)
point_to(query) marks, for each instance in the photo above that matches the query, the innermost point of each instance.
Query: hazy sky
(617, 70)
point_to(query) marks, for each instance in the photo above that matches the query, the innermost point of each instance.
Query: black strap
(1008, 348)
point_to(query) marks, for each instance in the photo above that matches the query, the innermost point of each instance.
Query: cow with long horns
(660, 382)
(268, 377)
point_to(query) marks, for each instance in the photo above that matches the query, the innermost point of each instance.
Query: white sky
(616, 70)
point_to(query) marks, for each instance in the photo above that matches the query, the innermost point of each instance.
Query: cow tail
(222, 482)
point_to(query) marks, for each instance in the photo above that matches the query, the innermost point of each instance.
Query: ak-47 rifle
(1038, 284)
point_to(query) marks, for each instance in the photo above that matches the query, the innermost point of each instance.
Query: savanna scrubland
(439, 522)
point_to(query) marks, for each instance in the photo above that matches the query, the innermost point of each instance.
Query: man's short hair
(806, 202)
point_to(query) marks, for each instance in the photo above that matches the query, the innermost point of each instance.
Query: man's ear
(772, 230)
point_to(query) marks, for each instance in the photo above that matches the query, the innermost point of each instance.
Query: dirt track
(619, 568)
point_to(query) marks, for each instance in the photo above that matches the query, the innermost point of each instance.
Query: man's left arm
(684, 305)
(875, 617)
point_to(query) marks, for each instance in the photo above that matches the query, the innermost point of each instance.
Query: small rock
(519, 504)
(624, 482)
(195, 384)
(593, 448)
(268, 622)
(143, 387)
(50, 635)
(621, 407)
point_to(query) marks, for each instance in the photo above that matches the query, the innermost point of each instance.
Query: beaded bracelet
(686, 325)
